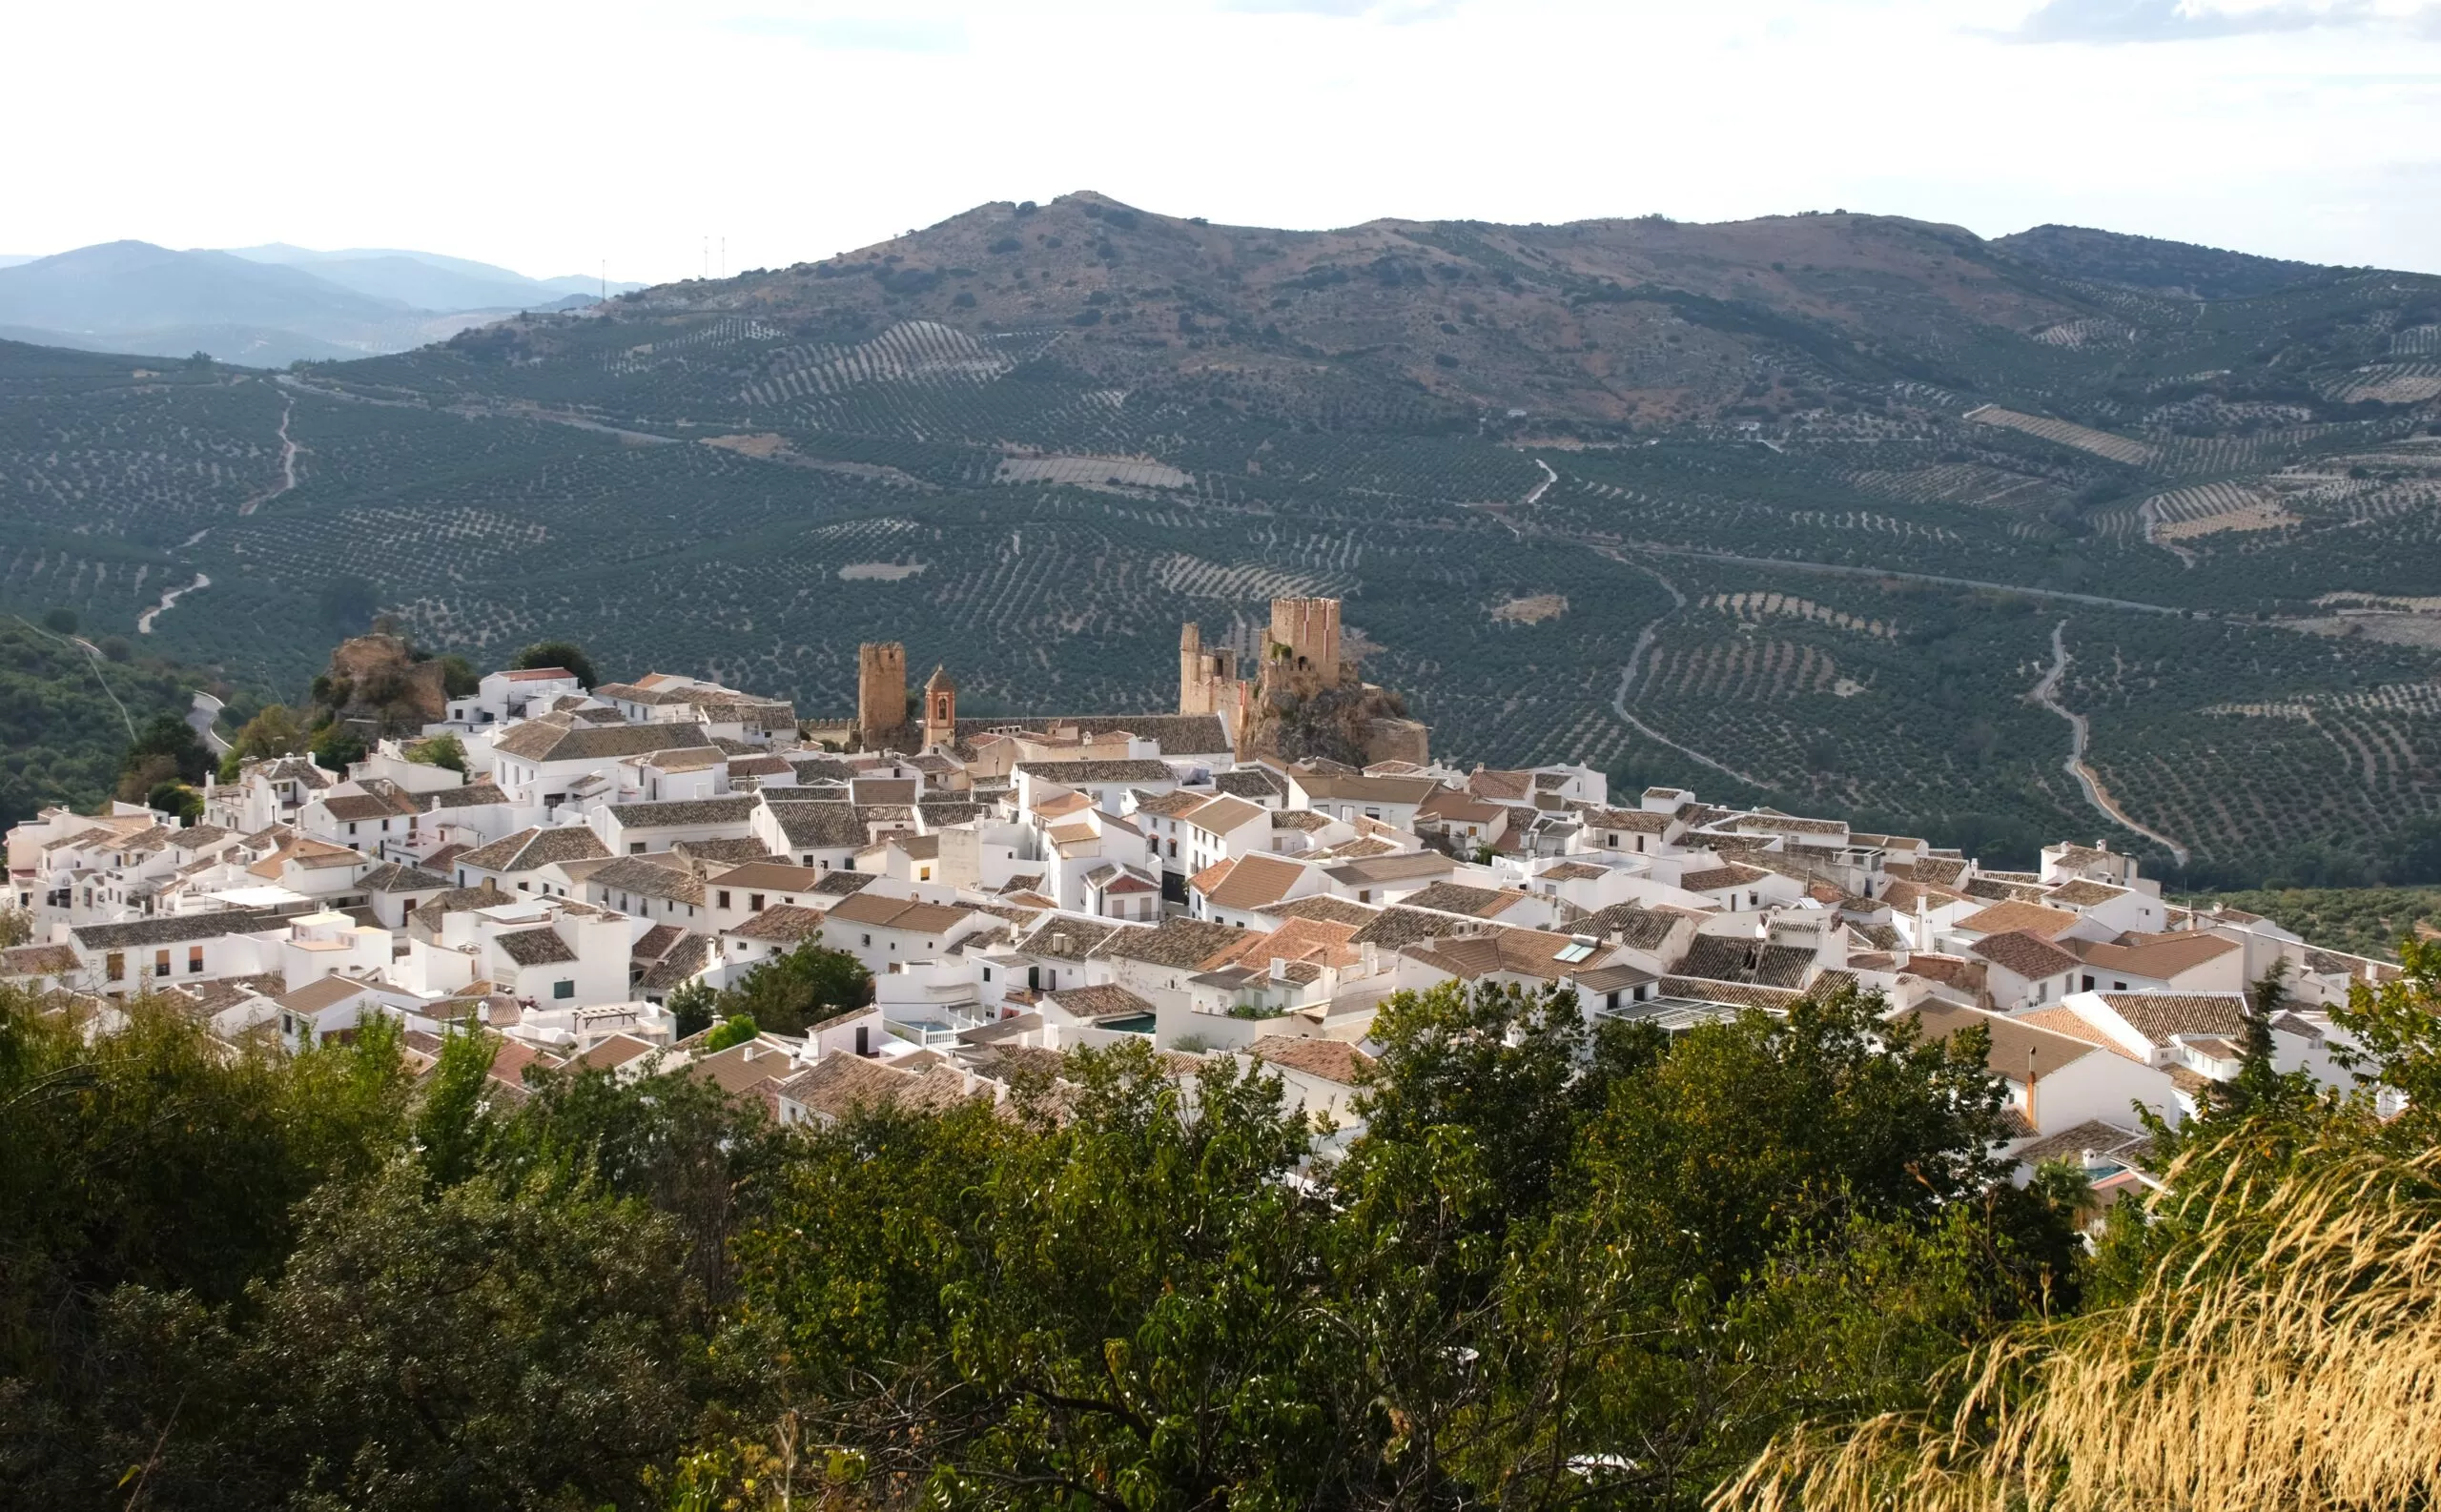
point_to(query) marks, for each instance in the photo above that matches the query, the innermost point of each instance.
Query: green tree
(459, 678)
(271, 733)
(789, 994)
(336, 747)
(565, 655)
(425, 1351)
(175, 798)
(735, 1030)
(441, 750)
(455, 1124)
(61, 621)
(691, 1006)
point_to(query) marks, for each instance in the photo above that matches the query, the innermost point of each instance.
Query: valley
(1029, 437)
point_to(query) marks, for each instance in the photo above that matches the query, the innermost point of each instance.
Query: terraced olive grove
(1794, 505)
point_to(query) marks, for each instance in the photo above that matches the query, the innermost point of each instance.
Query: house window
(114, 966)
(351, 830)
(564, 988)
(724, 900)
(1612, 842)
(195, 960)
(160, 963)
(868, 939)
(754, 902)
(635, 847)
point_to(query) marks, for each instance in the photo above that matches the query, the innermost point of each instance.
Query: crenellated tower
(881, 690)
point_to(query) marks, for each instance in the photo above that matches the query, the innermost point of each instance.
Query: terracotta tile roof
(1397, 927)
(533, 848)
(1068, 939)
(2029, 955)
(782, 925)
(1253, 881)
(38, 960)
(563, 737)
(2159, 1015)
(1255, 783)
(1323, 906)
(2028, 918)
(1713, 879)
(541, 947)
(1633, 924)
(1457, 897)
(2076, 1026)
(1734, 994)
(1226, 815)
(1107, 1000)
(1174, 942)
(692, 956)
(2159, 956)
(1328, 1061)
(873, 912)
(2092, 1138)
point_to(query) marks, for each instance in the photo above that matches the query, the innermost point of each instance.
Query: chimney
(1280, 968)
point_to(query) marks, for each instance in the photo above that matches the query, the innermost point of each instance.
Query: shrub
(735, 1031)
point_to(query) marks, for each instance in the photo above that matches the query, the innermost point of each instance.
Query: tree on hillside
(565, 655)
(165, 751)
(272, 732)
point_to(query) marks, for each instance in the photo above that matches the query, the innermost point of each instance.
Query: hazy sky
(551, 137)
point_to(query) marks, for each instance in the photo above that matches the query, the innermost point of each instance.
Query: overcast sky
(553, 137)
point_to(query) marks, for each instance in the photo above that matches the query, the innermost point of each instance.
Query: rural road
(2046, 693)
(169, 601)
(1635, 660)
(287, 461)
(202, 716)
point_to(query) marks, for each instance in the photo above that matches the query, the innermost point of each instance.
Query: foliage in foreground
(2266, 1333)
(1562, 1268)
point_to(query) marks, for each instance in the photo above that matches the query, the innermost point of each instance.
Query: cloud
(1397, 13)
(2112, 21)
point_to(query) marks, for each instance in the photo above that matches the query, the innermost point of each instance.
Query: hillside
(1814, 506)
(68, 712)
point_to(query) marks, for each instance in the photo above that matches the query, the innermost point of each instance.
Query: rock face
(375, 685)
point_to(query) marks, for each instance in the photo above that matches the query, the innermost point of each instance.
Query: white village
(1019, 887)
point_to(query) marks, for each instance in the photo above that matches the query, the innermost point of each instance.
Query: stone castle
(1302, 697)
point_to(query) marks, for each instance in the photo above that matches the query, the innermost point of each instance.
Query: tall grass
(2284, 1354)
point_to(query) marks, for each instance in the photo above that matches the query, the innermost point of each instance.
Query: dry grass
(2288, 1356)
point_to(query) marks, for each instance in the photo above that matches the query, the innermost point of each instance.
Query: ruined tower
(940, 709)
(1204, 677)
(1304, 634)
(881, 689)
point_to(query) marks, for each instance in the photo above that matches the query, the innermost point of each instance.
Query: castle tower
(881, 689)
(940, 709)
(1194, 695)
(1304, 633)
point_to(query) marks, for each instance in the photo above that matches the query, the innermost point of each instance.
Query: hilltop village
(1195, 879)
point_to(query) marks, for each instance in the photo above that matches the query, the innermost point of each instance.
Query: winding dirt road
(287, 460)
(2046, 693)
(1635, 660)
(169, 601)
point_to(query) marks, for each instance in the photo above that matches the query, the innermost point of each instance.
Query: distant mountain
(430, 281)
(2145, 262)
(136, 296)
(10, 259)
